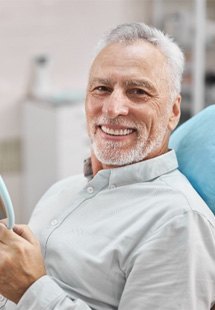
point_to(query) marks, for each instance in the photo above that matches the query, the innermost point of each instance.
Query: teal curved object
(9, 210)
(194, 143)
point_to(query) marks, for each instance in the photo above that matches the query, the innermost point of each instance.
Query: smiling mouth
(117, 132)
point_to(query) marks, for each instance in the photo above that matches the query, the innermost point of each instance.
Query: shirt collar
(139, 172)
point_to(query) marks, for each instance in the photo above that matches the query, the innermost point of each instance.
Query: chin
(117, 157)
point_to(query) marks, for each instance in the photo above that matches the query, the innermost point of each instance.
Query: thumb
(25, 232)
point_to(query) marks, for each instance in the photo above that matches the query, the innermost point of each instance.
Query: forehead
(136, 58)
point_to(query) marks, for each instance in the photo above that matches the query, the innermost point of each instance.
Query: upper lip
(116, 127)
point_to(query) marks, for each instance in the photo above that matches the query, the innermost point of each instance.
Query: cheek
(146, 115)
(92, 108)
(158, 111)
(88, 117)
(91, 112)
(151, 121)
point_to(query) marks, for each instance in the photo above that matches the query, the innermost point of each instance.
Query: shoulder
(185, 197)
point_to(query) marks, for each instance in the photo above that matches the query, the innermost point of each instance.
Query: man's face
(128, 108)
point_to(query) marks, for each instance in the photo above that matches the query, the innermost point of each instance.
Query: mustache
(119, 121)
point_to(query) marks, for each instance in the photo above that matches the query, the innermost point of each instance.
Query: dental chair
(194, 143)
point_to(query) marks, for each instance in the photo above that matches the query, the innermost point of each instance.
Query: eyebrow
(128, 83)
(99, 81)
(140, 83)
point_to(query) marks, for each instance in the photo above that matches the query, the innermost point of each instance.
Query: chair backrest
(194, 143)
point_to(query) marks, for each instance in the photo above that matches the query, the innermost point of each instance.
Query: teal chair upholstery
(194, 143)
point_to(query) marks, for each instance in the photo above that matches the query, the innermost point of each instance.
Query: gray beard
(112, 153)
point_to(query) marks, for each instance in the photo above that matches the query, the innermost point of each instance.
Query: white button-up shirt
(132, 238)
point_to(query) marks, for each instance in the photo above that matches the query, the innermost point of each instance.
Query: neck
(97, 165)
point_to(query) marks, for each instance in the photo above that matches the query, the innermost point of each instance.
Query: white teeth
(115, 132)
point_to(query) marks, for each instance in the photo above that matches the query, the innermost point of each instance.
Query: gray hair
(129, 33)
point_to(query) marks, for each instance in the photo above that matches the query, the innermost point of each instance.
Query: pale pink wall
(67, 31)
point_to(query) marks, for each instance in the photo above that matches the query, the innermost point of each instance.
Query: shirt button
(54, 222)
(112, 186)
(90, 189)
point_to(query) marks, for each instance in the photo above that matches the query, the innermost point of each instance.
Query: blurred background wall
(46, 48)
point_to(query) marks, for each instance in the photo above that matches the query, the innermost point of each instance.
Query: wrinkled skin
(129, 90)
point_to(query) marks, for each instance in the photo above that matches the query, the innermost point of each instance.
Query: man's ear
(175, 113)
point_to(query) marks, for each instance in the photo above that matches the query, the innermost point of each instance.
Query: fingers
(18, 233)
(25, 232)
(21, 262)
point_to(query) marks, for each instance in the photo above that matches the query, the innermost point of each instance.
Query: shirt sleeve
(174, 269)
(45, 294)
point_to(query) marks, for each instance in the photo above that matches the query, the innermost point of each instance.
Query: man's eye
(101, 89)
(137, 91)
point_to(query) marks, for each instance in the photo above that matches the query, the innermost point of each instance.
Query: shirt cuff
(41, 294)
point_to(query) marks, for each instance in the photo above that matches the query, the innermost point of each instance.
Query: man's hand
(21, 261)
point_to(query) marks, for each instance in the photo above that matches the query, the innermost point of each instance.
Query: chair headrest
(194, 143)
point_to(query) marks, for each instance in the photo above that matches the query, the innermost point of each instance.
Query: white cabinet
(55, 143)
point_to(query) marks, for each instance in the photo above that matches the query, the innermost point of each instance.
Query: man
(134, 234)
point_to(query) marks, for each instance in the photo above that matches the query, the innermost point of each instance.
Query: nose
(115, 105)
